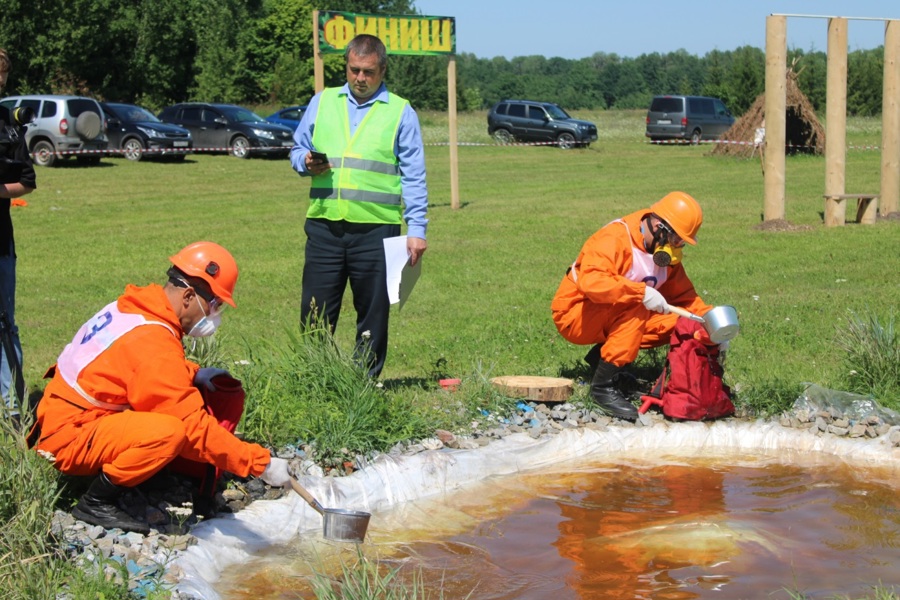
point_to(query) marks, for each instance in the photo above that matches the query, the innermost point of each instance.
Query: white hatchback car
(64, 126)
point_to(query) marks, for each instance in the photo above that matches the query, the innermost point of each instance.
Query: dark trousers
(337, 252)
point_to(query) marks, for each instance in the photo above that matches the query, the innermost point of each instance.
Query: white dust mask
(206, 326)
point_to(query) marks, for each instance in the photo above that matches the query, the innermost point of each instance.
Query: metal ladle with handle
(721, 323)
(338, 524)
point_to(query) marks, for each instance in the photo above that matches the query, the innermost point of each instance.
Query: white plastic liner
(390, 481)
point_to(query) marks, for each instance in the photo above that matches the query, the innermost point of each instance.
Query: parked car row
(670, 117)
(67, 126)
(83, 128)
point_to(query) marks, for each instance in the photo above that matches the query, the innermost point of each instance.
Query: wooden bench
(835, 209)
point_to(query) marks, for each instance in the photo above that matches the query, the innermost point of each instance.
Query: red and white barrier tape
(255, 149)
(651, 142)
(109, 151)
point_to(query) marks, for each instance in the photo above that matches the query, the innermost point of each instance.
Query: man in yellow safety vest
(362, 147)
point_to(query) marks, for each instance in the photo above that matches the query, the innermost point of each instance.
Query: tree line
(156, 52)
(609, 81)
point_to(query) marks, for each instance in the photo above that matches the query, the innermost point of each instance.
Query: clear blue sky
(629, 28)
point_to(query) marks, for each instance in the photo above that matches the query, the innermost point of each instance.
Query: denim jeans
(8, 305)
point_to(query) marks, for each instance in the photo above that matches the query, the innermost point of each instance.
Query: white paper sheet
(401, 277)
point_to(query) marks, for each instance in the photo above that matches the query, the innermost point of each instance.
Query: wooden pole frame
(454, 146)
(890, 121)
(836, 115)
(318, 64)
(836, 122)
(776, 99)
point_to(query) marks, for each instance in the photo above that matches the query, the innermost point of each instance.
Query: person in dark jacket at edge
(17, 178)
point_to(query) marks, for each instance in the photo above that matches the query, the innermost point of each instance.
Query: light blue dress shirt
(408, 149)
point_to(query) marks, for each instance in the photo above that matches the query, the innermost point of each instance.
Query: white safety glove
(654, 301)
(276, 473)
(204, 377)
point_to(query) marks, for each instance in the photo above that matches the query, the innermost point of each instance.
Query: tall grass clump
(766, 396)
(32, 564)
(872, 356)
(29, 567)
(366, 579)
(206, 351)
(309, 391)
(879, 592)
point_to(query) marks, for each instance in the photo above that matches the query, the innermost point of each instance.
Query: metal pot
(721, 323)
(338, 524)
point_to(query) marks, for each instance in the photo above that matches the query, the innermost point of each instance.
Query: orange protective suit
(597, 304)
(146, 370)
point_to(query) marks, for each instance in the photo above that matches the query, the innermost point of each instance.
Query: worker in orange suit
(617, 293)
(124, 401)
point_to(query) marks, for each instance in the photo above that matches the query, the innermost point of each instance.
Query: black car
(230, 128)
(136, 133)
(530, 121)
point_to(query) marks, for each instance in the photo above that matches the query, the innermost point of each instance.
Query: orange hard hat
(682, 213)
(213, 264)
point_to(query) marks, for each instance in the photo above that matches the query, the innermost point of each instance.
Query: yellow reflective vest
(363, 184)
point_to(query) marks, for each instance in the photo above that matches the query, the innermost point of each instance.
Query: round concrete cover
(87, 125)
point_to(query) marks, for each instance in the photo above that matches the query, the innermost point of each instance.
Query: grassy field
(493, 265)
(480, 309)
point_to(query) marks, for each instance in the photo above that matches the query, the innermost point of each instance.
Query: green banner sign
(401, 34)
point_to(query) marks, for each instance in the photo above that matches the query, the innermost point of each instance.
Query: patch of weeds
(872, 357)
(879, 592)
(767, 397)
(368, 579)
(205, 351)
(310, 391)
(33, 564)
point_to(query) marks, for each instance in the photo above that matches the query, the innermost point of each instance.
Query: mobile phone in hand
(320, 156)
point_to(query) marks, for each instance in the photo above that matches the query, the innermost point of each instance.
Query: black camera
(12, 134)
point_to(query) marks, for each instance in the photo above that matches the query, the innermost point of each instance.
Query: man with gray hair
(362, 147)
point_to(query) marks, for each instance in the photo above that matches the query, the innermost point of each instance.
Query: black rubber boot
(98, 507)
(607, 396)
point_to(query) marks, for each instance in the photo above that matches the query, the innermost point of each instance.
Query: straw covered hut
(803, 132)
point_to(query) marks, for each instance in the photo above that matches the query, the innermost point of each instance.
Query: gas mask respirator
(664, 253)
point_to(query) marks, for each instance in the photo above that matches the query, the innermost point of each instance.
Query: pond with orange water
(736, 526)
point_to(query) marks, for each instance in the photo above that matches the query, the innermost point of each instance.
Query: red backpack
(690, 386)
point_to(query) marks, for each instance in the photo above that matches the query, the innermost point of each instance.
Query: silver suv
(63, 126)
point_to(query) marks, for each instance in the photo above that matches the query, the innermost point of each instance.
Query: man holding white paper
(362, 146)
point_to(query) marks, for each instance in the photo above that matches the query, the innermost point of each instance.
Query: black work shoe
(607, 395)
(611, 402)
(98, 507)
